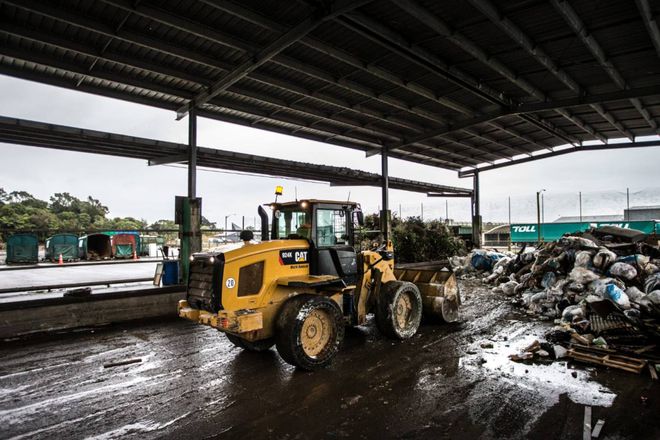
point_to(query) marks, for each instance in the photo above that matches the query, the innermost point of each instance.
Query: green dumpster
(23, 248)
(65, 245)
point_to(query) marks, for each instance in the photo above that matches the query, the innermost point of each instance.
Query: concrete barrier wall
(33, 317)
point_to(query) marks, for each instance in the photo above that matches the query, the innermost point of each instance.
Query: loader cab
(328, 226)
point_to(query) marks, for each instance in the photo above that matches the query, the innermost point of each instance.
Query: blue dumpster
(170, 272)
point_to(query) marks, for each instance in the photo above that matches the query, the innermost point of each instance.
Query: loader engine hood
(204, 289)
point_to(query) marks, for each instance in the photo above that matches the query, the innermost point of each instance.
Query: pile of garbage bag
(602, 288)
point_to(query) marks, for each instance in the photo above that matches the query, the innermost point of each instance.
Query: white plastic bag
(583, 259)
(623, 270)
(654, 297)
(582, 275)
(604, 258)
(508, 288)
(634, 293)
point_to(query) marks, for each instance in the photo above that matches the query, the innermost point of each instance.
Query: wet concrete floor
(192, 383)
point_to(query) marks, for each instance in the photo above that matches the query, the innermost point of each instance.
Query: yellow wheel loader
(300, 286)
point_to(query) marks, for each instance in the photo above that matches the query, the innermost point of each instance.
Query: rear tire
(309, 331)
(399, 309)
(257, 346)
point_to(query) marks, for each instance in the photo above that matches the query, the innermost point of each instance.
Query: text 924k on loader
(304, 282)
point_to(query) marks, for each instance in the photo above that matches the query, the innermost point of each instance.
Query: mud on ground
(192, 383)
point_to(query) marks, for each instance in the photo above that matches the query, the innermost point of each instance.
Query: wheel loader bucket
(437, 283)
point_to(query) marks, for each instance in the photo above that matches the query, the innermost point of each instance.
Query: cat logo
(295, 256)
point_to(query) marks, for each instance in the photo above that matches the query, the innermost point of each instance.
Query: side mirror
(358, 217)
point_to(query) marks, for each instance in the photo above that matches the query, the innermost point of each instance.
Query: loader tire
(309, 331)
(258, 346)
(399, 310)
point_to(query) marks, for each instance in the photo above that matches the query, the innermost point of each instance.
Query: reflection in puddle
(548, 378)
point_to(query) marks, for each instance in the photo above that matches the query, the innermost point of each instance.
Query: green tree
(164, 224)
(26, 199)
(94, 209)
(64, 202)
(127, 223)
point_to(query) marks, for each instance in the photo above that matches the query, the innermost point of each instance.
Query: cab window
(294, 223)
(331, 227)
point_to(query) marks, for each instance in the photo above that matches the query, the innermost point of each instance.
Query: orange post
(61, 261)
(135, 257)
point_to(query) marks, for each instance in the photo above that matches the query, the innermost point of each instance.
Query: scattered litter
(525, 356)
(559, 351)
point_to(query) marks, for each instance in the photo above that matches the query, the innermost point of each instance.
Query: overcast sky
(130, 188)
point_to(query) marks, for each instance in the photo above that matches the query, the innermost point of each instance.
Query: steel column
(192, 153)
(476, 212)
(385, 216)
(190, 228)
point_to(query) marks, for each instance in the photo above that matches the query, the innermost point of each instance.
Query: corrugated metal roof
(440, 83)
(60, 137)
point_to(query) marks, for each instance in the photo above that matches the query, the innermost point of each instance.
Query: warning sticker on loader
(293, 256)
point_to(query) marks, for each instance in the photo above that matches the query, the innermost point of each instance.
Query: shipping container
(529, 233)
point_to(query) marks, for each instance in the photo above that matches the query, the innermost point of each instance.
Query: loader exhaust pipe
(264, 223)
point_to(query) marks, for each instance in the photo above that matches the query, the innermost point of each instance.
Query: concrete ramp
(23, 318)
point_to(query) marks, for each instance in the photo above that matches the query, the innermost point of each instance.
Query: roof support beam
(397, 43)
(180, 93)
(266, 54)
(650, 23)
(577, 25)
(449, 195)
(164, 160)
(150, 100)
(39, 134)
(201, 59)
(195, 83)
(460, 40)
(391, 40)
(351, 60)
(510, 28)
(212, 35)
(354, 61)
(577, 101)
(457, 38)
(617, 146)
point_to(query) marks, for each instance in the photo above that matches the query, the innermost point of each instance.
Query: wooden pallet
(605, 357)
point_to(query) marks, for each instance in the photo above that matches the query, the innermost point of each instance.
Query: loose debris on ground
(601, 287)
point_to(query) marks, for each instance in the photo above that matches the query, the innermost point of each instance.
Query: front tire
(309, 331)
(257, 346)
(399, 309)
